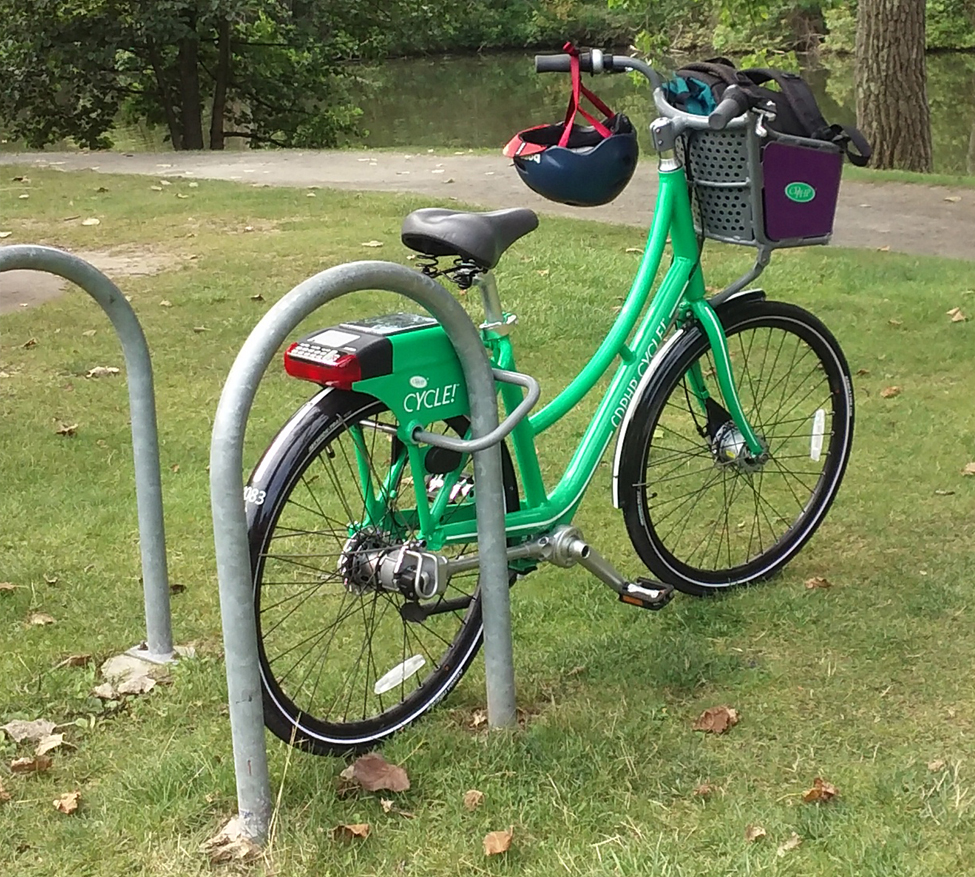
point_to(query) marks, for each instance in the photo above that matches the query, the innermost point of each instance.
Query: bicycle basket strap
(799, 99)
(801, 104)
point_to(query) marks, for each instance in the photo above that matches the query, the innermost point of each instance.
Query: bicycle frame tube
(681, 293)
(681, 285)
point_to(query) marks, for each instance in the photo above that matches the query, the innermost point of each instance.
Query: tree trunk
(163, 88)
(220, 86)
(191, 105)
(892, 106)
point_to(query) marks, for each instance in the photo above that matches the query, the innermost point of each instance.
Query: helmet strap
(579, 90)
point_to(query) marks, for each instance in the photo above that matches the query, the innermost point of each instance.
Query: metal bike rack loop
(230, 529)
(145, 441)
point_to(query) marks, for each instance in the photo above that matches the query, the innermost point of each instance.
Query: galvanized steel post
(145, 442)
(229, 523)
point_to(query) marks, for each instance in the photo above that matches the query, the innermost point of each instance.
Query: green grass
(865, 684)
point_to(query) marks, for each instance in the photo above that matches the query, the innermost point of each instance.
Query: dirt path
(906, 218)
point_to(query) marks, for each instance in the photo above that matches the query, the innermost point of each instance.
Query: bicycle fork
(727, 443)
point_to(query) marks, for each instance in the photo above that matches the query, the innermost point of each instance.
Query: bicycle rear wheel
(345, 661)
(700, 512)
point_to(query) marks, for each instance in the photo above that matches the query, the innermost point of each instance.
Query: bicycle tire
(295, 588)
(686, 507)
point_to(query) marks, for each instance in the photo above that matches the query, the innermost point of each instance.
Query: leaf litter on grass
(230, 844)
(716, 720)
(68, 802)
(374, 774)
(497, 842)
(821, 792)
(21, 731)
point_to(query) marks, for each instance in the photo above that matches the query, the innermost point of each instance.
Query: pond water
(480, 101)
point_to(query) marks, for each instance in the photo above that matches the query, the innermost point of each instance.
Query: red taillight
(332, 369)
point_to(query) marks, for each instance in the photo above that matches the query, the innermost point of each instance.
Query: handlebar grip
(589, 62)
(552, 64)
(733, 104)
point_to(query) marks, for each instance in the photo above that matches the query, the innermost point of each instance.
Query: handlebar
(734, 102)
(595, 61)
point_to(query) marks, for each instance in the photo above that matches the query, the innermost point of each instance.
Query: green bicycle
(735, 422)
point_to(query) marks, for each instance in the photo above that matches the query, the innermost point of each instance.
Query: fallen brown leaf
(890, 392)
(39, 619)
(32, 732)
(165, 303)
(176, 588)
(66, 429)
(716, 720)
(136, 685)
(4, 794)
(896, 323)
(374, 774)
(105, 691)
(792, 843)
(389, 807)
(754, 833)
(969, 469)
(821, 792)
(956, 315)
(29, 343)
(862, 372)
(478, 719)
(473, 799)
(67, 803)
(818, 582)
(496, 842)
(936, 765)
(230, 844)
(102, 371)
(349, 833)
(49, 744)
(8, 586)
(73, 661)
(38, 764)
(703, 790)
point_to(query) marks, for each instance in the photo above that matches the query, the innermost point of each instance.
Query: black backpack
(698, 87)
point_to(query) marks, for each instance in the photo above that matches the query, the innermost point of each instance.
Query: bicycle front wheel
(345, 659)
(701, 511)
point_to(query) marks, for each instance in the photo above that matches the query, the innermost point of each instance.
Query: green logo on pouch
(801, 193)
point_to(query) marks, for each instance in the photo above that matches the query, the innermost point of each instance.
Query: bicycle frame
(680, 297)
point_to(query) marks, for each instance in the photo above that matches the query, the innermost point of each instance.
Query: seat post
(491, 300)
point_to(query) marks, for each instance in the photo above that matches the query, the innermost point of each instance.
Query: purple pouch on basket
(801, 187)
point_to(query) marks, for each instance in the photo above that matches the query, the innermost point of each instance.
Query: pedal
(647, 594)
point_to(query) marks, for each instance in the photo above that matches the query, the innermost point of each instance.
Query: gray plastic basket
(735, 178)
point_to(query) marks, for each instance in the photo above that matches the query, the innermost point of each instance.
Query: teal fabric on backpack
(691, 95)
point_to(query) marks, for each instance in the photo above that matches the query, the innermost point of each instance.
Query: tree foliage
(268, 70)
